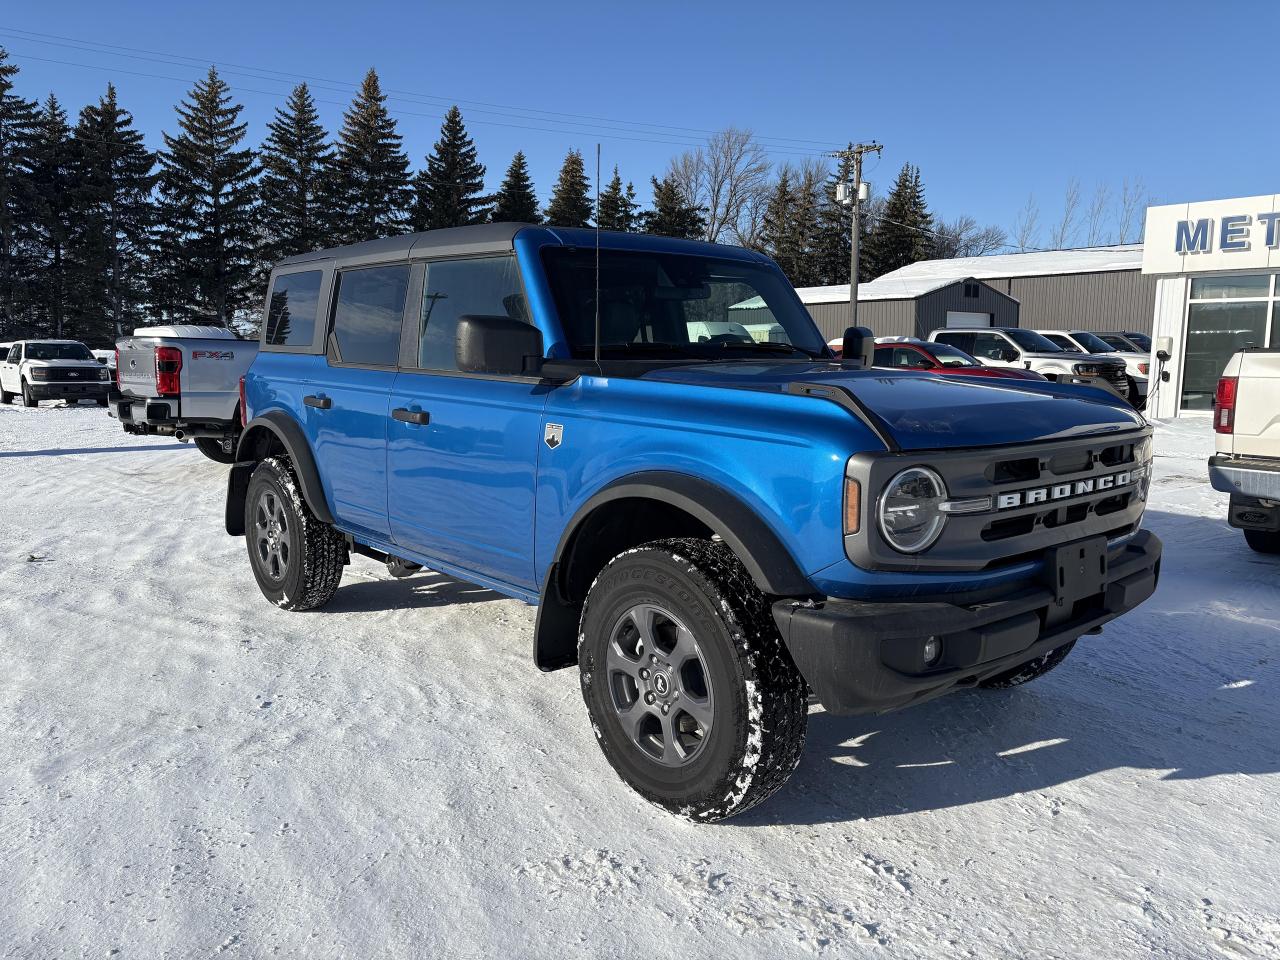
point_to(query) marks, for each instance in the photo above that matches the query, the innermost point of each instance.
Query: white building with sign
(1217, 264)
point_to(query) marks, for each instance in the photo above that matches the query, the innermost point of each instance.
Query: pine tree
(450, 191)
(570, 204)
(673, 213)
(207, 236)
(778, 233)
(901, 233)
(113, 217)
(515, 201)
(51, 180)
(18, 120)
(295, 188)
(372, 169)
(618, 207)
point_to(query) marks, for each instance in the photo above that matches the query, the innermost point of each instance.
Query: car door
(462, 449)
(346, 408)
(10, 368)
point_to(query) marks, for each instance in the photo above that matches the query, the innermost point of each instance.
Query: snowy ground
(187, 771)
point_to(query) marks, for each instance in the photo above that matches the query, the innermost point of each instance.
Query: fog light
(932, 651)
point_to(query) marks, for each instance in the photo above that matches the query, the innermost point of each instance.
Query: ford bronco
(715, 528)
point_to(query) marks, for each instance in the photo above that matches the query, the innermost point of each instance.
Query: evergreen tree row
(99, 235)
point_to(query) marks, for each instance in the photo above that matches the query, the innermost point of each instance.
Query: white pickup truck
(183, 381)
(1246, 421)
(51, 370)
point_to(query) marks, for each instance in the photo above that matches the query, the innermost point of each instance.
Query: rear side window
(962, 341)
(292, 309)
(484, 286)
(368, 313)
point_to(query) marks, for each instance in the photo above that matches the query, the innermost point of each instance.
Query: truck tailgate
(1257, 414)
(137, 368)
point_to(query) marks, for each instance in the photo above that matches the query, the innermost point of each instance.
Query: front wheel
(215, 449)
(1026, 672)
(28, 398)
(296, 559)
(1263, 541)
(692, 694)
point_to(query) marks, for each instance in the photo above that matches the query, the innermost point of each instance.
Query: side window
(15, 354)
(962, 341)
(989, 346)
(1062, 341)
(483, 286)
(910, 357)
(292, 309)
(368, 312)
(883, 357)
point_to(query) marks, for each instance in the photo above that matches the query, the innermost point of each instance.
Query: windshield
(948, 356)
(1032, 342)
(677, 306)
(1092, 343)
(1141, 340)
(58, 351)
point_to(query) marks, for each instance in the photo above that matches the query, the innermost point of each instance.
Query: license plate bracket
(1077, 569)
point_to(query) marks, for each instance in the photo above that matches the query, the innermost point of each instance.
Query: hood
(91, 362)
(1070, 357)
(924, 411)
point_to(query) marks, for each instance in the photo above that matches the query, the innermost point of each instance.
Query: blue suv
(718, 521)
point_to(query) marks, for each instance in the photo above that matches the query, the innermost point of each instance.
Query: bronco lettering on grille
(1066, 491)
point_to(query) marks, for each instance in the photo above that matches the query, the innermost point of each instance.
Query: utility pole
(852, 195)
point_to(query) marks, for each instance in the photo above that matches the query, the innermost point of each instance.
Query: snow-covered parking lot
(187, 771)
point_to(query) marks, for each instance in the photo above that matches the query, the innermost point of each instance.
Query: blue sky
(994, 101)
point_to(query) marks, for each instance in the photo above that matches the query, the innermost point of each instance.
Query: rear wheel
(28, 398)
(296, 559)
(1263, 541)
(215, 449)
(1028, 671)
(693, 697)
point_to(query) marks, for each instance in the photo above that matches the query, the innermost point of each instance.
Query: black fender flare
(288, 432)
(761, 551)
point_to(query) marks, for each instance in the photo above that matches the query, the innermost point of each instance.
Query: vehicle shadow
(427, 589)
(1185, 685)
(80, 451)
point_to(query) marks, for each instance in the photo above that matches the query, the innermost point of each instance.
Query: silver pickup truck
(182, 381)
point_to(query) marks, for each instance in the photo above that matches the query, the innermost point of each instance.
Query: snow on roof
(1126, 256)
(882, 288)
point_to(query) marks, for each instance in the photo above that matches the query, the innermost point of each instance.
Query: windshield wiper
(763, 346)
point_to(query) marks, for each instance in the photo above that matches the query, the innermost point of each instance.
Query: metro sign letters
(1233, 233)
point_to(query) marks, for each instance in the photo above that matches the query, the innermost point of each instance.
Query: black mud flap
(1076, 570)
(237, 488)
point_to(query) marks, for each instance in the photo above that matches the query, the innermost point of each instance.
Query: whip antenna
(597, 253)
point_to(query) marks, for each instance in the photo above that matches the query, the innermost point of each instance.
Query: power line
(772, 144)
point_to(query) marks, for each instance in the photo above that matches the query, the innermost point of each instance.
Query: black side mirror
(496, 345)
(859, 344)
(1009, 356)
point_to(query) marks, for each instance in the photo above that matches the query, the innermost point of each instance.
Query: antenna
(597, 253)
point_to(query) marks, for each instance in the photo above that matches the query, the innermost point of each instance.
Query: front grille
(1116, 377)
(81, 374)
(1041, 495)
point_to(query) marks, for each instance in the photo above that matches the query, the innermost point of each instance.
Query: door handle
(404, 415)
(318, 400)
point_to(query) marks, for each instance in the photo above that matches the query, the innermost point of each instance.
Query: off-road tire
(211, 447)
(317, 551)
(1263, 541)
(1028, 671)
(758, 698)
(28, 398)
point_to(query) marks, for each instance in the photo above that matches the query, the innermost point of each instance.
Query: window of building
(484, 286)
(292, 309)
(971, 290)
(368, 314)
(1225, 314)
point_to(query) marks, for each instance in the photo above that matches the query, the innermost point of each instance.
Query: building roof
(888, 287)
(1126, 256)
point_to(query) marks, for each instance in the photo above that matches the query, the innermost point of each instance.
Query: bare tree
(962, 237)
(729, 178)
(1026, 228)
(1132, 209)
(1064, 231)
(1096, 218)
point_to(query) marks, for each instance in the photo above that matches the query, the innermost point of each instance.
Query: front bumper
(866, 657)
(90, 390)
(1246, 477)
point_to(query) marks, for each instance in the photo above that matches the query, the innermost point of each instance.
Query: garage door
(959, 318)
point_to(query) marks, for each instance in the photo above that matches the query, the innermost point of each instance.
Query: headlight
(39, 373)
(910, 512)
(1087, 369)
